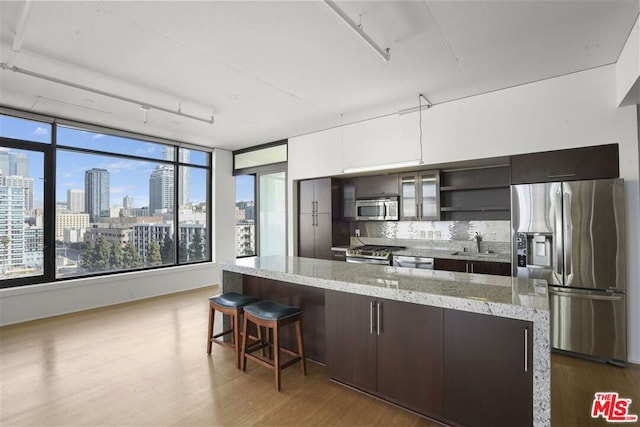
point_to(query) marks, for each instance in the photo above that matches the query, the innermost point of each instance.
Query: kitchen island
(467, 348)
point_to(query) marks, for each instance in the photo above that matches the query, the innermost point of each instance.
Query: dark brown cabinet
(478, 267)
(420, 196)
(387, 348)
(488, 379)
(320, 224)
(595, 162)
(309, 299)
(475, 193)
(377, 185)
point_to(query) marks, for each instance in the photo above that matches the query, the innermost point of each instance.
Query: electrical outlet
(357, 232)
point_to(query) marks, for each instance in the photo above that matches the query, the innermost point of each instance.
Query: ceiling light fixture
(146, 105)
(384, 166)
(384, 53)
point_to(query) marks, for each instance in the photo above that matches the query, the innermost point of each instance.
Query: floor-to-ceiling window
(261, 200)
(114, 201)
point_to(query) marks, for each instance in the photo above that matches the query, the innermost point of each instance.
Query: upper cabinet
(420, 196)
(475, 194)
(596, 162)
(377, 185)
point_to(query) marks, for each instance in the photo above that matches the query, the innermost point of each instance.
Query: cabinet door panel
(323, 235)
(495, 268)
(410, 352)
(307, 197)
(351, 347)
(485, 382)
(450, 265)
(306, 235)
(595, 162)
(323, 195)
(377, 185)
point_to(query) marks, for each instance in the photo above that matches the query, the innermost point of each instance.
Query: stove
(372, 254)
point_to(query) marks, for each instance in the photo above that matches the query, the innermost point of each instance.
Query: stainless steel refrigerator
(572, 234)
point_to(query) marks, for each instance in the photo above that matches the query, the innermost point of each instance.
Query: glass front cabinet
(420, 196)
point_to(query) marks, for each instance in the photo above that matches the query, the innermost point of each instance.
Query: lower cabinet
(488, 370)
(387, 348)
(465, 368)
(478, 267)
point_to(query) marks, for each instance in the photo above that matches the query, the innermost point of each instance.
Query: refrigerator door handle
(558, 231)
(568, 233)
(586, 296)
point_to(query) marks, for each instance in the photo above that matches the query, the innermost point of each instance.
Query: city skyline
(127, 176)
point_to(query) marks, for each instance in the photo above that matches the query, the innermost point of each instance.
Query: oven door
(363, 260)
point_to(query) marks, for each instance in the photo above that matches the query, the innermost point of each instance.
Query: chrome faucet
(478, 239)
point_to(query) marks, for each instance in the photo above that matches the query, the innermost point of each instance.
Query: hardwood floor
(145, 364)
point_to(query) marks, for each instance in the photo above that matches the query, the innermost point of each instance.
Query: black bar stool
(272, 316)
(231, 304)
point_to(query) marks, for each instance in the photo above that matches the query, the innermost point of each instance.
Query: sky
(127, 176)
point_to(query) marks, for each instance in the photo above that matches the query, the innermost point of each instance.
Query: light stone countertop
(508, 297)
(511, 297)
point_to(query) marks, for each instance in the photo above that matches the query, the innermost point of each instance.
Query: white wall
(628, 69)
(51, 299)
(565, 112)
(223, 233)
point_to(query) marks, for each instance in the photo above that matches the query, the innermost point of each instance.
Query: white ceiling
(269, 70)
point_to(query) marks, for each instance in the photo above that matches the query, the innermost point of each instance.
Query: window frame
(257, 171)
(50, 151)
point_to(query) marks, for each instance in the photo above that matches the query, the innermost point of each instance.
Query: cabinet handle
(379, 319)
(466, 267)
(471, 267)
(526, 348)
(563, 175)
(371, 317)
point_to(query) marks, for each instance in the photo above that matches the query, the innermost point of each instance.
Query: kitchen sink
(475, 254)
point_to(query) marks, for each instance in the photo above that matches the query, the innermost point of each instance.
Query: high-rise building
(19, 164)
(5, 169)
(127, 202)
(14, 163)
(70, 221)
(11, 227)
(23, 182)
(184, 172)
(75, 201)
(161, 195)
(96, 193)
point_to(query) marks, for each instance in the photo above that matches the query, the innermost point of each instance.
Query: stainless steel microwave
(379, 209)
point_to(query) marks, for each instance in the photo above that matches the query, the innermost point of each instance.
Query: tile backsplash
(458, 235)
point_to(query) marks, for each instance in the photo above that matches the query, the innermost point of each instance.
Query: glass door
(272, 203)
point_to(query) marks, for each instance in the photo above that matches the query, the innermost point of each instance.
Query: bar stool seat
(272, 316)
(230, 304)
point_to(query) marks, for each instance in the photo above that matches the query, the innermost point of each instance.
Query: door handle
(526, 349)
(592, 297)
(557, 234)
(379, 318)
(371, 317)
(568, 231)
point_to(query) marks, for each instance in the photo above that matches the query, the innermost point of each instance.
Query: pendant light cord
(420, 122)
